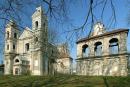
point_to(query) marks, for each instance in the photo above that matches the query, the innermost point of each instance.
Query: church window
(13, 46)
(36, 24)
(27, 46)
(7, 34)
(15, 35)
(85, 50)
(8, 47)
(113, 46)
(98, 49)
(16, 61)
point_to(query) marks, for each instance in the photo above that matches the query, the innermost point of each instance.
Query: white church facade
(30, 52)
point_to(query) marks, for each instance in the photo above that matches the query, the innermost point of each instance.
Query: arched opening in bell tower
(98, 49)
(113, 46)
(85, 50)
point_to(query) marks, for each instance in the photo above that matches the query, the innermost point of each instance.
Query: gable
(26, 33)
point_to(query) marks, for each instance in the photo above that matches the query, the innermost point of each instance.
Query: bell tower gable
(98, 29)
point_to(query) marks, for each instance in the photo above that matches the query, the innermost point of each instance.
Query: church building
(29, 52)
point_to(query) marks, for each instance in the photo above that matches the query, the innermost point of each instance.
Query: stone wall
(106, 64)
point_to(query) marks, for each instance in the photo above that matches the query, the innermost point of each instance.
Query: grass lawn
(63, 81)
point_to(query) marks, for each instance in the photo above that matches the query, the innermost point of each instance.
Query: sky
(77, 13)
(122, 8)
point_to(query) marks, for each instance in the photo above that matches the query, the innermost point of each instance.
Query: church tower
(11, 36)
(39, 53)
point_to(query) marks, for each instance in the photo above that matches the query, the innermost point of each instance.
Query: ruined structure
(29, 51)
(64, 61)
(103, 53)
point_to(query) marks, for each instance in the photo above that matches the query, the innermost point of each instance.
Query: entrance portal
(17, 71)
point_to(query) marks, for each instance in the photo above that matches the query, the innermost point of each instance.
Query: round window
(16, 60)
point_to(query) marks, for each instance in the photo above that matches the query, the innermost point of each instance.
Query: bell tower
(11, 36)
(39, 26)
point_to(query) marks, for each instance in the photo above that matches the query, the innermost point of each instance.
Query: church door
(17, 71)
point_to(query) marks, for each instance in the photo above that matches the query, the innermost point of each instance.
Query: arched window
(16, 61)
(8, 47)
(13, 46)
(98, 49)
(27, 46)
(113, 46)
(15, 35)
(85, 50)
(36, 24)
(7, 34)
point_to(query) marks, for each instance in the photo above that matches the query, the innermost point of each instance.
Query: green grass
(63, 81)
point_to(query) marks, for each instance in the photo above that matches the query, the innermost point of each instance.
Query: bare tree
(58, 12)
(16, 9)
(53, 36)
(91, 17)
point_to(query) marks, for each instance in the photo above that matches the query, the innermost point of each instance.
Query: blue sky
(77, 14)
(122, 8)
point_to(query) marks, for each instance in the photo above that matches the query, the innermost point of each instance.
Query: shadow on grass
(105, 82)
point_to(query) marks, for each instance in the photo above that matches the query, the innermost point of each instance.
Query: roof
(104, 34)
